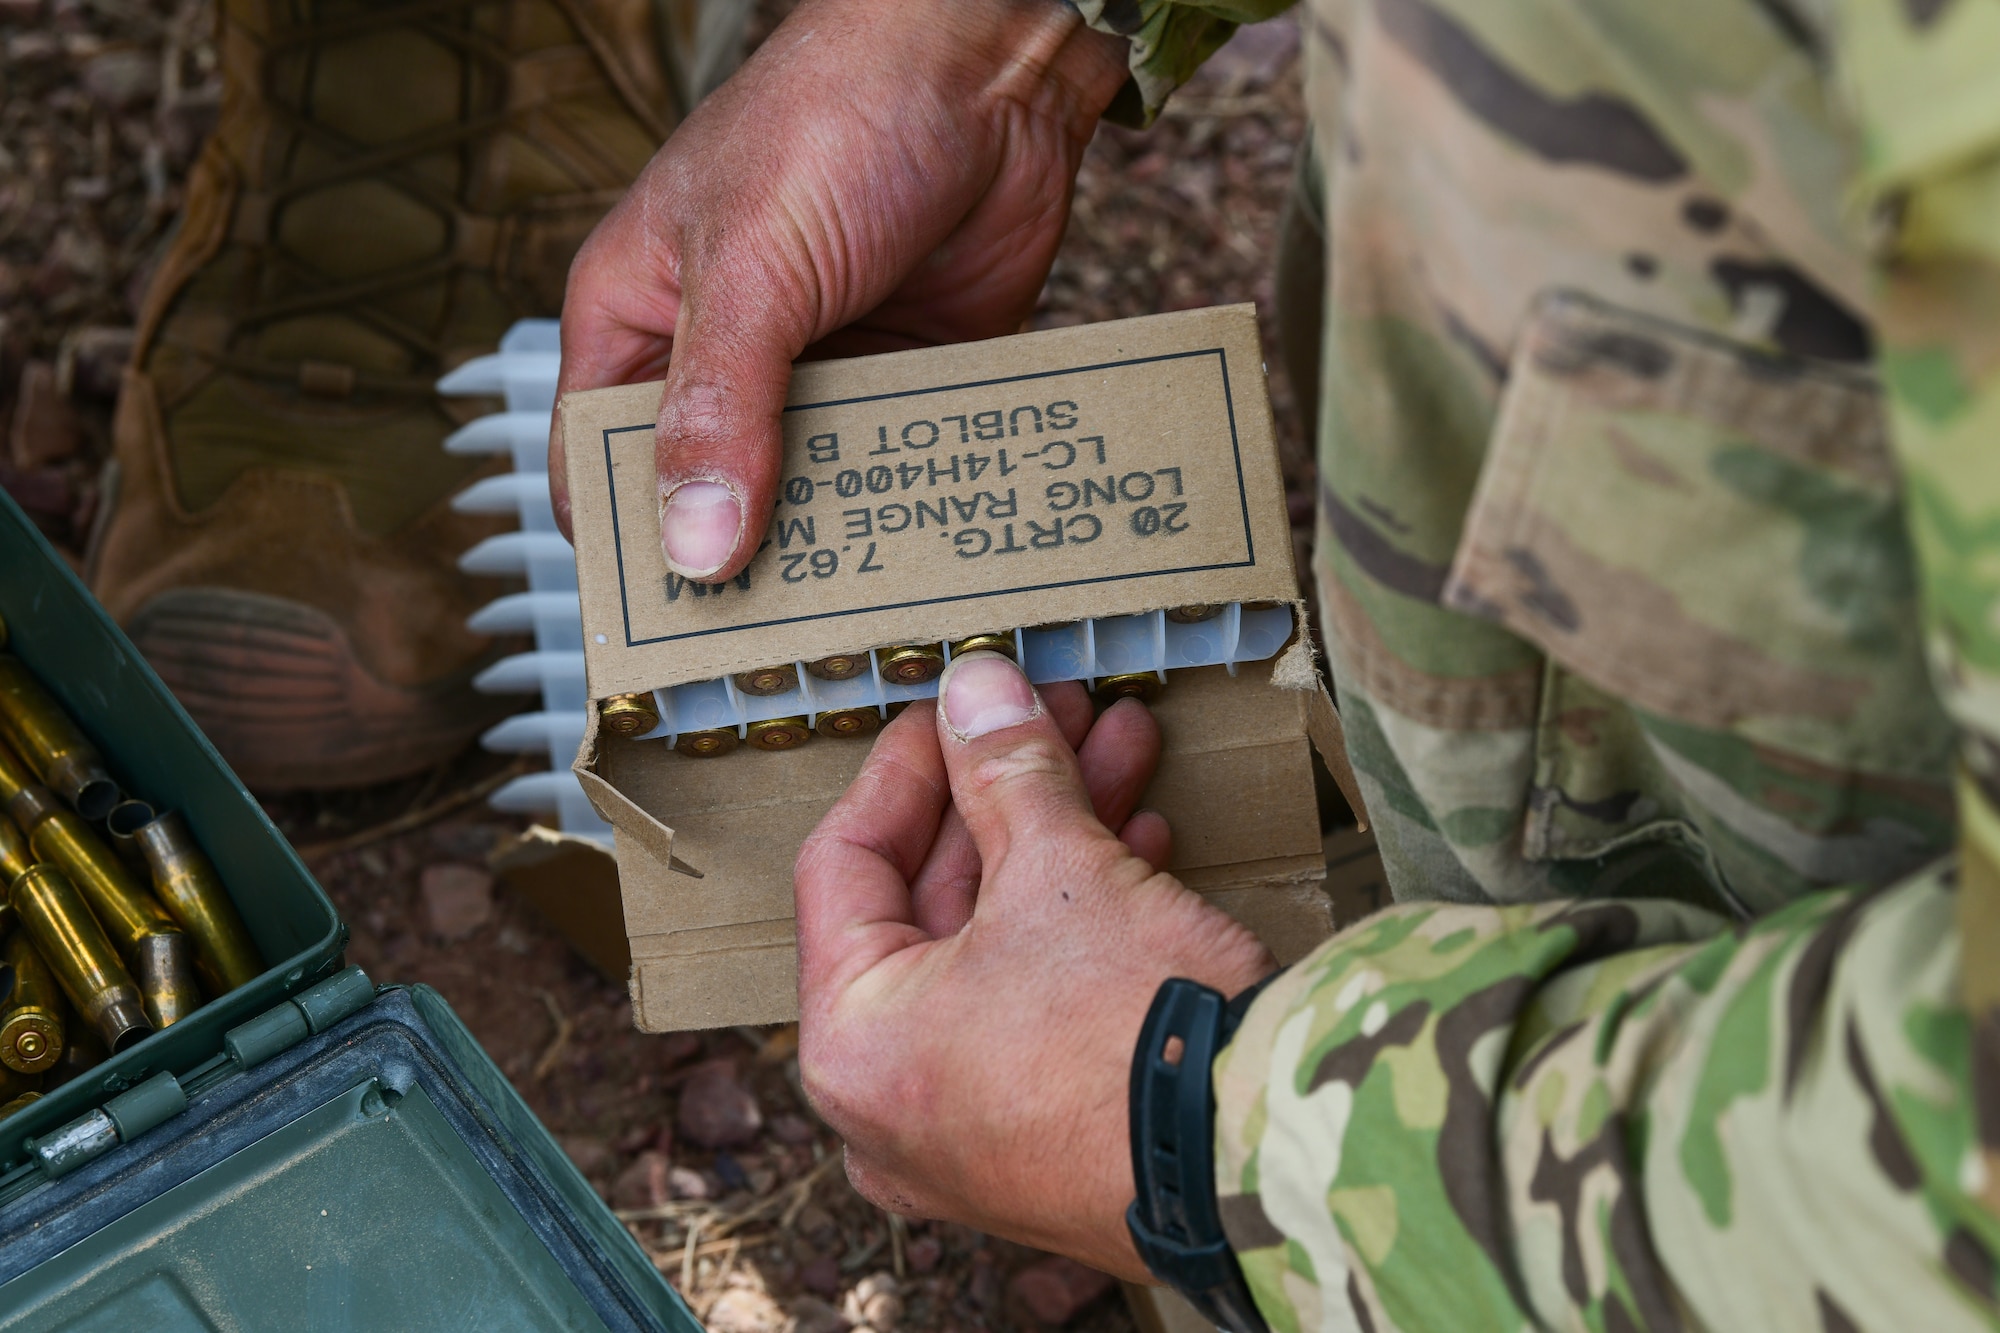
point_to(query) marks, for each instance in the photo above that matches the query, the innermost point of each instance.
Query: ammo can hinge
(163, 1096)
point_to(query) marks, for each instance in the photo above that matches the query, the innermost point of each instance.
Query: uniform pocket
(1709, 540)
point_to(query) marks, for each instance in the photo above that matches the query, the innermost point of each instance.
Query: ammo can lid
(380, 1174)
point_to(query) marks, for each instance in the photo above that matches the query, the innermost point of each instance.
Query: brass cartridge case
(20, 1103)
(706, 744)
(31, 1022)
(87, 969)
(1002, 644)
(163, 965)
(15, 855)
(1141, 685)
(35, 724)
(629, 714)
(846, 722)
(193, 893)
(127, 911)
(23, 798)
(779, 733)
(160, 958)
(765, 681)
(841, 666)
(911, 664)
(127, 818)
(1194, 614)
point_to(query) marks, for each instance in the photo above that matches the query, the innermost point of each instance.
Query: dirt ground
(702, 1140)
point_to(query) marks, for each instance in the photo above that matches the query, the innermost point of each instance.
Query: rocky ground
(702, 1141)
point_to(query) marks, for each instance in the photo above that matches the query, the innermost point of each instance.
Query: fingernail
(985, 692)
(698, 527)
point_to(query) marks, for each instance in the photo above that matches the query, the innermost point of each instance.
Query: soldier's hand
(879, 175)
(977, 949)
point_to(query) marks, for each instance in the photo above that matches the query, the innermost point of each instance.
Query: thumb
(1013, 776)
(719, 446)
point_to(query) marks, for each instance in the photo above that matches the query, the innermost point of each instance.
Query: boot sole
(278, 688)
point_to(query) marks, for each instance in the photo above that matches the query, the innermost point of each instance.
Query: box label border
(1235, 451)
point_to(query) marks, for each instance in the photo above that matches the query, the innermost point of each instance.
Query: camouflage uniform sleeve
(1170, 39)
(1614, 1116)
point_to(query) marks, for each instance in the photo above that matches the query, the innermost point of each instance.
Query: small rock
(810, 1314)
(647, 1183)
(791, 1128)
(745, 1310)
(122, 76)
(815, 1220)
(45, 429)
(33, 47)
(715, 1110)
(821, 1275)
(458, 899)
(588, 1152)
(923, 1254)
(1056, 1289)
(875, 1301)
(687, 1183)
(645, 1136)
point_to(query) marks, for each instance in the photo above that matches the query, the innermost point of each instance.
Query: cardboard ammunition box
(1089, 474)
(305, 1151)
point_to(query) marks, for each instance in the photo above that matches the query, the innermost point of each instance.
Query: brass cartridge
(15, 855)
(22, 796)
(127, 818)
(841, 666)
(35, 724)
(1141, 685)
(20, 1103)
(765, 681)
(629, 714)
(911, 664)
(163, 964)
(126, 910)
(1194, 614)
(780, 733)
(31, 1022)
(706, 744)
(160, 957)
(845, 722)
(1002, 644)
(187, 883)
(57, 920)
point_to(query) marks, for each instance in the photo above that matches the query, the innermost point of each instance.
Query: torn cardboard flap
(929, 495)
(1081, 473)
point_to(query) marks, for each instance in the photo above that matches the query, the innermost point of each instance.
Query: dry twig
(557, 1043)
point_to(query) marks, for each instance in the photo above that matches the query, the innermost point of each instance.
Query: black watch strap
(1175, 1221)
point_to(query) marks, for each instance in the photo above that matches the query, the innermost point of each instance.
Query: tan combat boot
(390, 185)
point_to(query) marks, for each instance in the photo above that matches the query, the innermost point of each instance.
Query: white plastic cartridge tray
(1096, 475)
